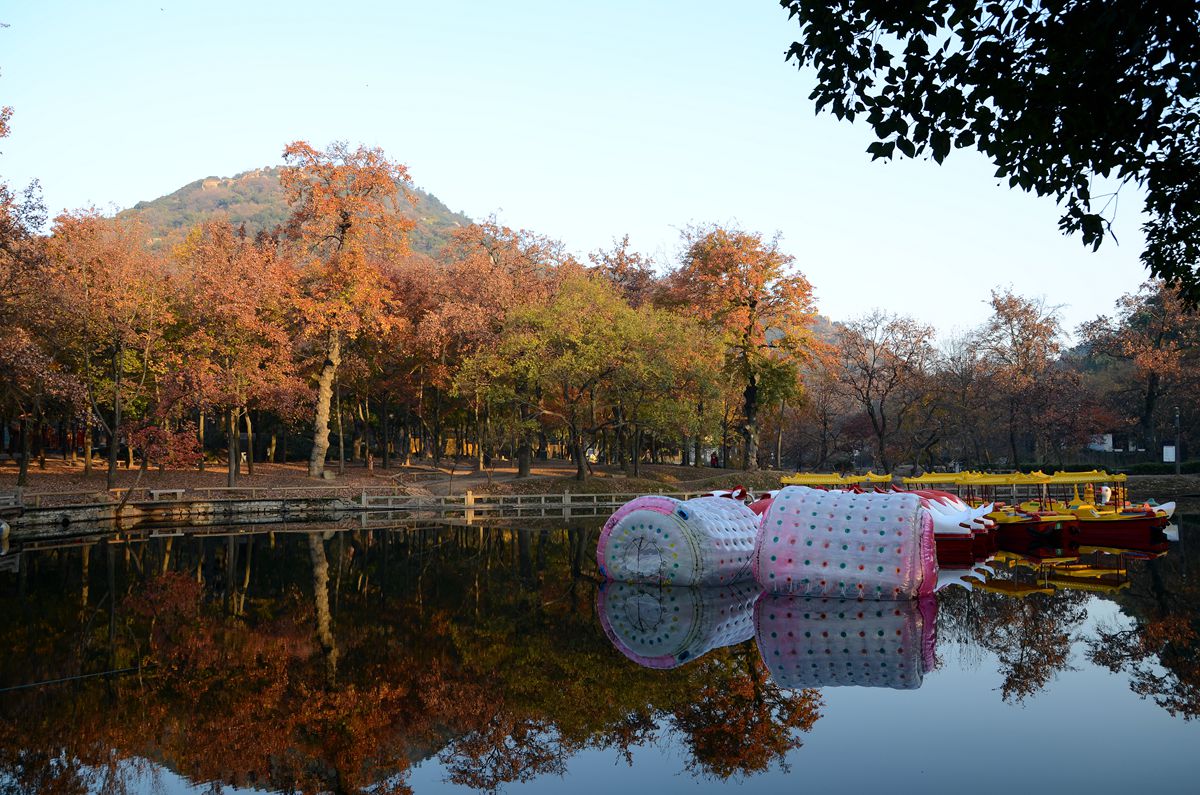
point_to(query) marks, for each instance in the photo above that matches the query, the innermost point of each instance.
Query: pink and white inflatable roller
(665, 541)
(846, 545)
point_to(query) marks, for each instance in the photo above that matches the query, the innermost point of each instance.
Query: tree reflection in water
(478, 647)
(1030, 636)
(322, 661)
(1159, 651)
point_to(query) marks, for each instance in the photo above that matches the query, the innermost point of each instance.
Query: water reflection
(664, 627)
(815, 642)
(305, 659)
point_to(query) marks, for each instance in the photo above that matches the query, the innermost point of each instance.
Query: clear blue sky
(583, 121)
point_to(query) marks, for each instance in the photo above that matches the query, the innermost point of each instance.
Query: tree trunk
(23, 470)
(478, 439)
(750, 427)
(437, 442)
(333, 357)
(41, 443)
(577, 452)
(622, 444)
(524, 446)
(1012, 432)
(385, 420)
(115, 430)
(234, 467)
(779, 435)
(249, 443)
(200, 437)
(341, 433)
(1146, 420)
(87, 448)
(368, 433)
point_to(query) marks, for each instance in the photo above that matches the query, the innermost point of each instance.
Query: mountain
(255, 198)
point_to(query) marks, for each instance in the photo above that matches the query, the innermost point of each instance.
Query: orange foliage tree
(346, 219)
(1158, 340)
(1021, 340)
(114, 308)
(745, 286)
(233, 297)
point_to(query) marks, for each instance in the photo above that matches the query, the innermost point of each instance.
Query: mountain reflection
(306, 659)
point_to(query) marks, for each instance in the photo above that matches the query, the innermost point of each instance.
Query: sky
(581, 121)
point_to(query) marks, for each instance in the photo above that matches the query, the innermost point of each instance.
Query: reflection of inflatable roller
(666, 627)
(815, 642)
(846, 545)
(662, 540)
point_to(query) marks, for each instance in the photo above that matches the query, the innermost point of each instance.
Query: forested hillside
(255, 198)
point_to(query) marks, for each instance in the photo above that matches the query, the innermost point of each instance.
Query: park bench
(162, 494)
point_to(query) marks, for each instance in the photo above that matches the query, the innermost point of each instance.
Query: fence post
(566, 503)
(469, 506)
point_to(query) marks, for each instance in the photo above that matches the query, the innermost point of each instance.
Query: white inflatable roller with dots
(664, 541)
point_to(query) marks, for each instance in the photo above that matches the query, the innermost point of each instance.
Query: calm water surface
(432, 659)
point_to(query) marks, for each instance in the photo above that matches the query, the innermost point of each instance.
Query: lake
(439, 658)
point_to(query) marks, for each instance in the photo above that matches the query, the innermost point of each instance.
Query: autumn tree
(22, 215)
(823, 411)
(963, 381)
(568, 350)
(1021, 340)
(631, 272)
(233, 297)
(491, 273)
(113, 311)
(33, 383)
(33, 378)
(1156, 340)
(345, 220)
(884, 359)
(746, 287)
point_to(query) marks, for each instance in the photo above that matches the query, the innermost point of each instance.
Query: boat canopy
(1015, 478)
(819, 479)
(952, 478)
(1038, 478)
